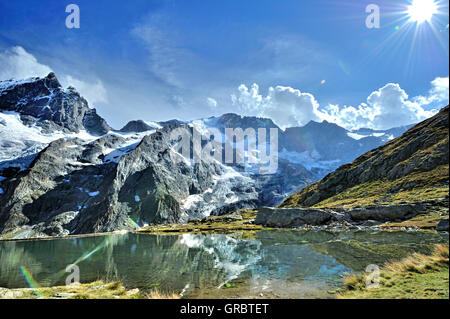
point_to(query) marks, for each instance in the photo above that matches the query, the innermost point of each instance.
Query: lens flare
(31, 282)
(422, 10)
(132, 223)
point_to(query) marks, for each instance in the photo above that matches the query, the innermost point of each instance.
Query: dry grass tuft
(156, 294)
(416, 276)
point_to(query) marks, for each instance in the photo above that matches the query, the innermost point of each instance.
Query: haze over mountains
(64, 170)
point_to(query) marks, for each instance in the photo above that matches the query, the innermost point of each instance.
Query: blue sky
(186, 59)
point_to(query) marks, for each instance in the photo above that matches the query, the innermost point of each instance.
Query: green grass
(415, 277)
(210, 225)
(94, 290)
(423, 221)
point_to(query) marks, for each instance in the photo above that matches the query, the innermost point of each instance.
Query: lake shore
(94, 290)
(243, 221)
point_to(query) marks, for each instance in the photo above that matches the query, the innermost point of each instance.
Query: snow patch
(10, 84)
(356, 136)
(19, 141)
(132, 141)
(153, 124)
(309, 161)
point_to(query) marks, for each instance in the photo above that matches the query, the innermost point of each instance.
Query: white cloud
(286, 106)
(385, 108)
(162, 59)
(169, 60)
(16, 63)
(438, 92)
(178, 100)
(92, 92)
(212, 103)
(19, 64)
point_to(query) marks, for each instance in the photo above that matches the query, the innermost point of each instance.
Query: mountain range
(64, 170)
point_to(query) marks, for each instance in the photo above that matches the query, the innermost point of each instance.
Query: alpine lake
(268, 264)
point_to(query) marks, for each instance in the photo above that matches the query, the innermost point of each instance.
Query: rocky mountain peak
(51, 81)
(232, 120)
(137, 126)
(45, 100)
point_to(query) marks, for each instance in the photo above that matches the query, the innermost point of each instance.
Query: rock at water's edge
(442, 225)
(291, 217)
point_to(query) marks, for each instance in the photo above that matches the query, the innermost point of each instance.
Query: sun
(422, 10)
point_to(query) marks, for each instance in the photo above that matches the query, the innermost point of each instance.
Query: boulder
(292, 217)
(442, 225)
(384, 213)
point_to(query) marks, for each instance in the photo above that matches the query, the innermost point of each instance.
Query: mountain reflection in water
(288, 263)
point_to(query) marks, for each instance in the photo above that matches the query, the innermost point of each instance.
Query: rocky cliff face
(45, 100)
(411, 168)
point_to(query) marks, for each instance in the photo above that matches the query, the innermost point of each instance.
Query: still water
(276, 263)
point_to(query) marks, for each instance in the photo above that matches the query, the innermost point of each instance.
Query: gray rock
(231, 217)
(63, 295)
(291, 217)
(370, 223)
(354, 218)
(132, 292)
(384, 213)
(442, 225)
(10, 293)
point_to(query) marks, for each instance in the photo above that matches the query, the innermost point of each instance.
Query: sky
(293, 61)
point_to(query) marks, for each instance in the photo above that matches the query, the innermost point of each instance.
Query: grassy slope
(415, 277)
(430, 186)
